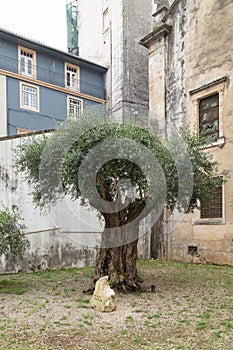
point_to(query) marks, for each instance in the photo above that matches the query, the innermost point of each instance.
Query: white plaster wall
(64, 235)
(118, 49)
(103, 47)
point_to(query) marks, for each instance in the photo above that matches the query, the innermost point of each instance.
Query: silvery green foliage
(13, 242)
(97, 159)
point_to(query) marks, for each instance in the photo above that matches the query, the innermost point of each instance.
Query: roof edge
(47, 47)
(162, 30)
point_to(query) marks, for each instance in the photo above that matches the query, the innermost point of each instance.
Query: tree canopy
(122, 170)
(120, 158)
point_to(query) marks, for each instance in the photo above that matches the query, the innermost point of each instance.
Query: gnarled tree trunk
(119, 260)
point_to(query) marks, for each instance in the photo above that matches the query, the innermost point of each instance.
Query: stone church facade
(191, 84)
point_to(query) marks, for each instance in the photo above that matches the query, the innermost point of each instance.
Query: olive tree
(122, 170)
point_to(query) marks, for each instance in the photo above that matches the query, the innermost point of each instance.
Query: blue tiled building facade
(41, 86)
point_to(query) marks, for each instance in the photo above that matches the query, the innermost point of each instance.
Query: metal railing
(51, 77)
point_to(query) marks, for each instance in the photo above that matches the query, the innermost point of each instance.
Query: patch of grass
(88, 317)
(192, 309)
(12, 287)
(82, 300)
(228, 324)
(63, 318)
(153, 316)
(129, 319)
(217, 335)
(83, 303)
(138, 311)
(161, 296)
(201, 326)
(185, 322)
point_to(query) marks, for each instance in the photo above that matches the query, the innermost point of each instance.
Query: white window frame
(33, 97)
(197, 220)
(22, 131)
(216, 87)
(72, 74)
(77, 114)
(28, 69)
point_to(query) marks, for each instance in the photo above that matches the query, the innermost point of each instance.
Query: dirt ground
(192, 308)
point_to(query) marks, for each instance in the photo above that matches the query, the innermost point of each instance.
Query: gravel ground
(191, 309)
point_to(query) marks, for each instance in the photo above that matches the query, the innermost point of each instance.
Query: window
(213, 208)
(72, 77)
(209, 117)
(27, 62)
(193, 250)
(208, 111)
(74, 107)
(29, 97)
(212, 211)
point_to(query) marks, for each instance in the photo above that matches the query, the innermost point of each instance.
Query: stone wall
(118, 49)
(202, 56)
(191, 60)
(176, 66)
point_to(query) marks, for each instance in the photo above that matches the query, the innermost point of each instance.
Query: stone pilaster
(156, 42)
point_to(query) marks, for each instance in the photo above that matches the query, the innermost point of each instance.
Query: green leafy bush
(13, 242)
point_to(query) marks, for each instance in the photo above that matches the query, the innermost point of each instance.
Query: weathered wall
(200, 52)
(190, 61)
(137, 21)
(117, 48)
(176, 91)
(65, 235)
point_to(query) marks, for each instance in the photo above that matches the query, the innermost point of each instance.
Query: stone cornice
(176, 2)
(152, 37)
(204, 87)
(164, 8)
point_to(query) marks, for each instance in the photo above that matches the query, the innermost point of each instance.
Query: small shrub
(13, 242)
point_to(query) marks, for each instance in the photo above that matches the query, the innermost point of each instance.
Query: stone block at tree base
(103, 298)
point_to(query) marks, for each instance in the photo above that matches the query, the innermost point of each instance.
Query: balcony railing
(51, 77)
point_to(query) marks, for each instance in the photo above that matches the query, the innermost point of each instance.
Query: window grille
(213, 208)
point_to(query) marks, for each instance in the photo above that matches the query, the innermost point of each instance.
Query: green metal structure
(72, 31)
